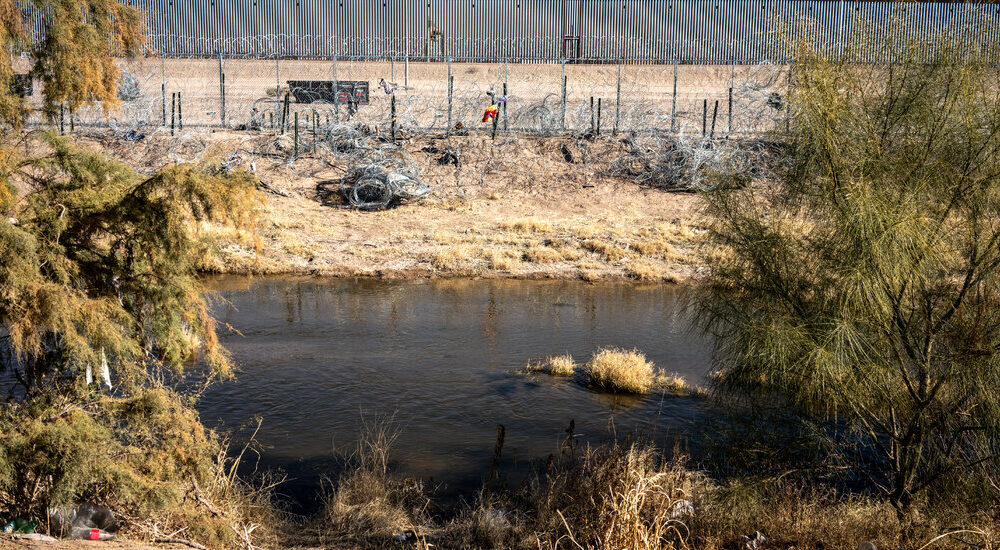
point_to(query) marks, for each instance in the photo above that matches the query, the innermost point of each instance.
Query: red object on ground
(95, 534)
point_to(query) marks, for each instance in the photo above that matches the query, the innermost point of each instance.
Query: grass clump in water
(368, 505)
(621, 371)
(556, 365)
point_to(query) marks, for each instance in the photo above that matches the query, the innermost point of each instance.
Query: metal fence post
(163, 90)
(715, 111)
(562, 110)
(336, 93)
(180, 113)
(732, 83)
(451, 91)
(222, 94)
(704, 117)
(505, 126)
(730, 110)
(673, 104)
(599, 116)
(392, 105)
(504, 106)
(295, 155)
(173, 104)
(618, 99)
(277, 86)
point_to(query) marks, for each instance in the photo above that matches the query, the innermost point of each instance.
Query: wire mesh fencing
(401, 96)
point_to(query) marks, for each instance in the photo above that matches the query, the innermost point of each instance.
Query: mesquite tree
(862, 289)
(98, 262)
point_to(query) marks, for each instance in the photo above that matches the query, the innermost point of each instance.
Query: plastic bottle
(87, 533)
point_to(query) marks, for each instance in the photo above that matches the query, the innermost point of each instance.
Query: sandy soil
(12, 543)
(511, 208)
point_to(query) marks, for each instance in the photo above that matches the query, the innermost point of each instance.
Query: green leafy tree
(861, 291)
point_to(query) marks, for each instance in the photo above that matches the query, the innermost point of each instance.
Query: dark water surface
(318, 356)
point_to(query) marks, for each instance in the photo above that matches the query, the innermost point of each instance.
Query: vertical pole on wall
(222, 94)
(840, 32)
(163, 90)
(562, 110)
(277, 86)
(406, 48)
(451, 91)
(673, 104)
(618, 99)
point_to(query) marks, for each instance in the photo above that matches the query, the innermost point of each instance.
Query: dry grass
(673, 383)
(611, 251)
(453, 258)
(626, 496)
(543, 255)
(556, 365)
(367, 505)
(529, 225)
(503, 260)
(654, 247)
(646, 270)
(621, 371)
(614, 496)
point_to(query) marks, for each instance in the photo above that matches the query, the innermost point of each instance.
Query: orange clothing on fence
(491, 112)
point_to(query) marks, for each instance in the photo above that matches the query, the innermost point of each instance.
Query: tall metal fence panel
(687, 31)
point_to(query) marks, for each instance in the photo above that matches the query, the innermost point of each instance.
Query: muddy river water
(318, 358)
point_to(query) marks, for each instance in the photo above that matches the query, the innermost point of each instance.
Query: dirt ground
(513, 208)
(9, 542)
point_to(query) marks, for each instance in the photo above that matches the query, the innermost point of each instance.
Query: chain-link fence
(392, 94)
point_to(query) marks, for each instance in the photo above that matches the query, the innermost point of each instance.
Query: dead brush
(366, 504)
(622, 496)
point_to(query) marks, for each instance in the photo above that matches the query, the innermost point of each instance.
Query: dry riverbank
(513, 208)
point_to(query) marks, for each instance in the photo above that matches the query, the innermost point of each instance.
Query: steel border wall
(688, 31)
(586, 31)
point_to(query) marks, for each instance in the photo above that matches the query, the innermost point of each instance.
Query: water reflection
(316, 355)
